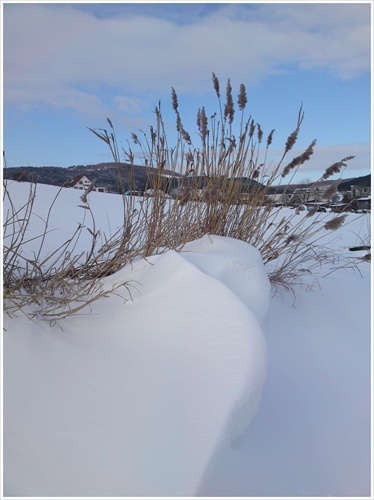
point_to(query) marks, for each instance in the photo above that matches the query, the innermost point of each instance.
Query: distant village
(333, 195)
(323, 195)
(330, 195)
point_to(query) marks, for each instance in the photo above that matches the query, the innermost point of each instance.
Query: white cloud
(129, 105)
(60, 52)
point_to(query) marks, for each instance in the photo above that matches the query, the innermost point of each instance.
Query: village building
(81, 181)
(360, 191)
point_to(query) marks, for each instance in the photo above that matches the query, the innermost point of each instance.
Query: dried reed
(221, 186)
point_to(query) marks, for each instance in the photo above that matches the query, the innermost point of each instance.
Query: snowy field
(205, 383)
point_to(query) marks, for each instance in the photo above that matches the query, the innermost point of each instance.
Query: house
(353, 205)
(359, 191)
(280, 195)
(81, 181)
(356, 199)
(295, 195)
(363, 203)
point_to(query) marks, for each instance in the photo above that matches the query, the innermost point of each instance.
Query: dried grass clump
(56, 285)
(220, 185)
(224, 183)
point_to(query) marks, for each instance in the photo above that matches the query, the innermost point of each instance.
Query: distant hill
(358, 181)
(103, 174)
(343, 186)
(44, 175)
(135, 177)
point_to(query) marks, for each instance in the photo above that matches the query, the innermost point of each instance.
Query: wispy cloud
(324, 156)
(129, 105)
(62, 55)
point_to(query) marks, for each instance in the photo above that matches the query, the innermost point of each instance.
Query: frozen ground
(154, 397)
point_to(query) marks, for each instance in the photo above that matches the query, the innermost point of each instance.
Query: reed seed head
(186, 136)
(299, 160)
(242, 98)
(179, 123)
(251, 128)
(174, 99)
(270, 138)
(229, 106)
(216, 84)
(291, 140)
(336, 167)
(330, 191)
(202, 123)
(334, 224)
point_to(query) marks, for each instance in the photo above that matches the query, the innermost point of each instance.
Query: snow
(311, 435)
(203, 383)
(66, 215)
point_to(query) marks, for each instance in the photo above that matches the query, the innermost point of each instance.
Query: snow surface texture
(144, 398)
(135, 399)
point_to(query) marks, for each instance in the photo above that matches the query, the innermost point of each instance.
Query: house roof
(77, 178)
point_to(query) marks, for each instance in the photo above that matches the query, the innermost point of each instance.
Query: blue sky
(69, 66)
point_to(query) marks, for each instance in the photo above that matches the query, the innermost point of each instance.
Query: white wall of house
(84, 183)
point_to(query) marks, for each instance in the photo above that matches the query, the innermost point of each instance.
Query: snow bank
(136, 399)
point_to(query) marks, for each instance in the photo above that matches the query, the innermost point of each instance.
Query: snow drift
(135, 399)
